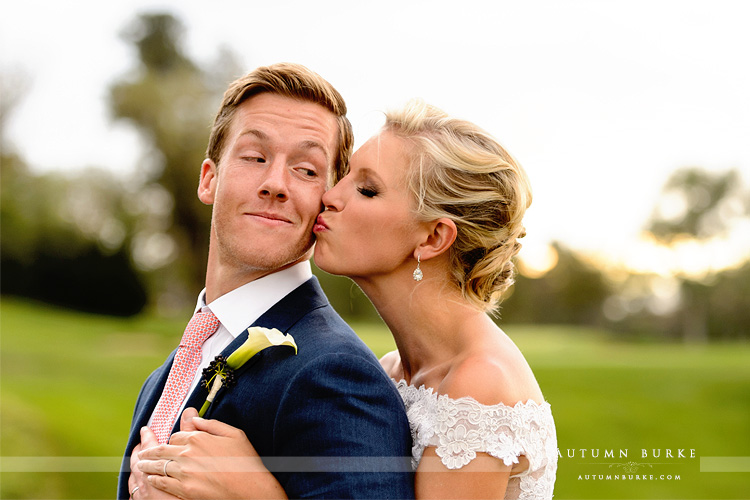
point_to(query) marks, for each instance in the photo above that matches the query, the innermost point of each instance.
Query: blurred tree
(62, 239)
(13, 86)
(729, 304)
(572, 293)
(699, 205)
(171, 101)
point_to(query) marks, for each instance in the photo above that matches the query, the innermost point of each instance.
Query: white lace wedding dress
(459, 428)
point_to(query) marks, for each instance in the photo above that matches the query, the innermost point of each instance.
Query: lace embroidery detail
(460, 428)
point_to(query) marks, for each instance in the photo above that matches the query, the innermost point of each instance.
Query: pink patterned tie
(182, 373)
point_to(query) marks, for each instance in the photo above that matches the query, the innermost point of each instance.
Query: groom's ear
(208, 180)
(442, 233)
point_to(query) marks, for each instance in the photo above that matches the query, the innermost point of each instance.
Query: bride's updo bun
(460, 172)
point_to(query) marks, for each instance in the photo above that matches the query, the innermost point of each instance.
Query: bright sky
(600, 100)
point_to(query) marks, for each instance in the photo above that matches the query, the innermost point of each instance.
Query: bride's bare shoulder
(492, 377)
(391, 363)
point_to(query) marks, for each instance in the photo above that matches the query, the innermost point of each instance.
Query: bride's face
(369, 228)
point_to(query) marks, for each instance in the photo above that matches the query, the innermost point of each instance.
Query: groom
(279, 140)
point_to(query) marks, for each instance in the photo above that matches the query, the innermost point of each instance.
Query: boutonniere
(220, 371)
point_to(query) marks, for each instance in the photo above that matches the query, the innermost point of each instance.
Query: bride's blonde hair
(460, 172)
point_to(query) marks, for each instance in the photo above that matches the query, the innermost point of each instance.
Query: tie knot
(202, 325)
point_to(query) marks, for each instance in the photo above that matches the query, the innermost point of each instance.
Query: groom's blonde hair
(461, 172)
(288, 80)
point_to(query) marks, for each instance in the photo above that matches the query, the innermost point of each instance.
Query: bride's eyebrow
(366, 172)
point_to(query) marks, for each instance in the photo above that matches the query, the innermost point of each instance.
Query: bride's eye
(367, 191)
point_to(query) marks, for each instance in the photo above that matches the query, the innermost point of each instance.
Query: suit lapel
(152, 392)
(285, 313)
(282, 316)
(147, 400)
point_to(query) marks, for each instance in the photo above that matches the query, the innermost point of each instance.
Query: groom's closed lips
(269, 218)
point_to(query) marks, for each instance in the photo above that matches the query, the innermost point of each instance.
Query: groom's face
(267, 187)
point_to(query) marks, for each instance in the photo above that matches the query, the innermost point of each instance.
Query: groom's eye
(254, 159)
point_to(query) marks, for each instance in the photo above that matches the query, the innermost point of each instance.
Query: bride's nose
(332, 199)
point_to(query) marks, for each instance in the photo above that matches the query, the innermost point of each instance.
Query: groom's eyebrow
(255, 132)
(306, 145)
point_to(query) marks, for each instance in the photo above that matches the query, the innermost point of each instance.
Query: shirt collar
(240, 308)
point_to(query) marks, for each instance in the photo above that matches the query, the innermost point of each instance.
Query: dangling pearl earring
(418, 272)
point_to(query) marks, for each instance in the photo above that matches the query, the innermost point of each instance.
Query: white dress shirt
(240, 308)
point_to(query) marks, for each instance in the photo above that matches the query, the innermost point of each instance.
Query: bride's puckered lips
(320, 225)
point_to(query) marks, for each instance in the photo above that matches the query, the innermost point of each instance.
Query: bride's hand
(138, 484)
(208, 459)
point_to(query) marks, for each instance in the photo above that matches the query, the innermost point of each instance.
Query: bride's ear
(441, 236)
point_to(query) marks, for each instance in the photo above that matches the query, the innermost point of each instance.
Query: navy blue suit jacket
(328, 422)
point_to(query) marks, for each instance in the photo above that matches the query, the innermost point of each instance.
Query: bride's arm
(484, 477)
(486, 383)
(209, 459)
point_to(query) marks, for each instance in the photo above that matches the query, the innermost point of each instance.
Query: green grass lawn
(68, 383)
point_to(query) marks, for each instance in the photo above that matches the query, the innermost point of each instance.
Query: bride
(426, 222)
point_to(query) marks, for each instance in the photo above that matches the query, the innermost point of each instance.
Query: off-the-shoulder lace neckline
(430, 391)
